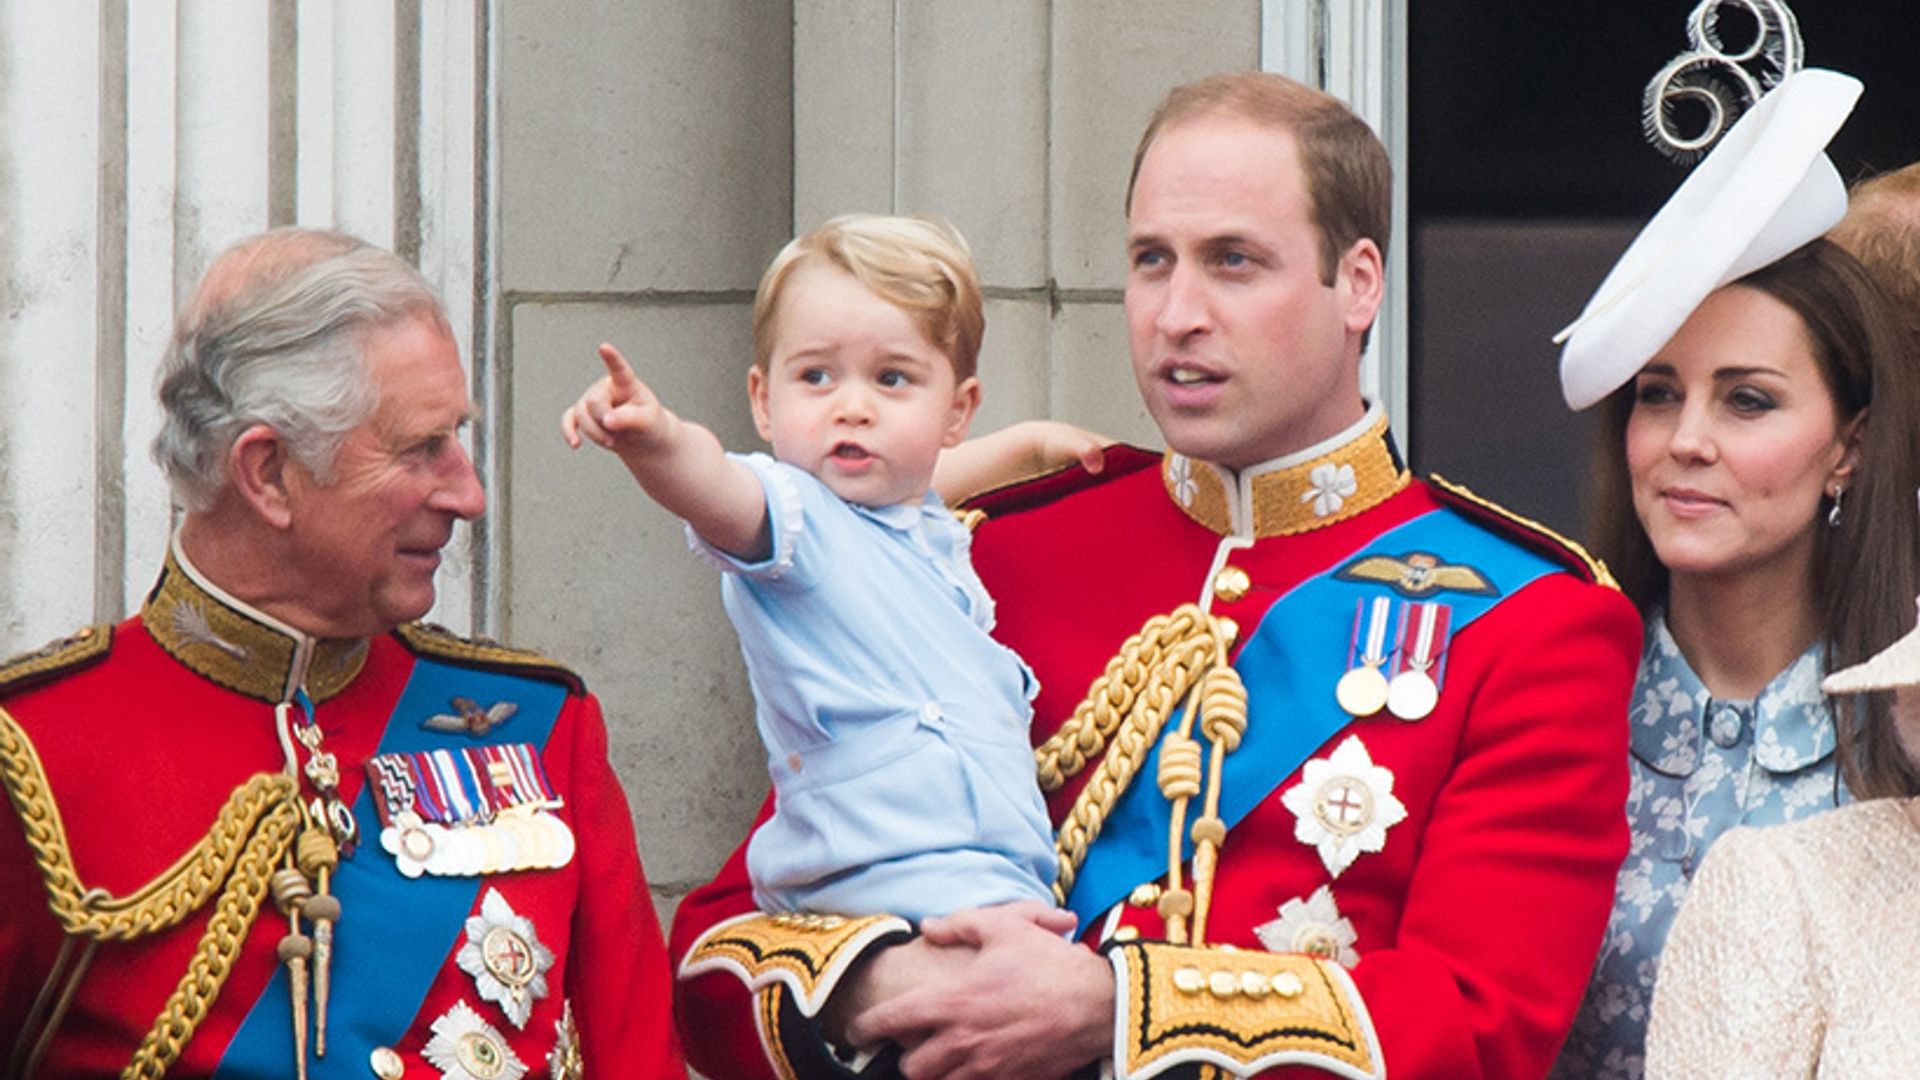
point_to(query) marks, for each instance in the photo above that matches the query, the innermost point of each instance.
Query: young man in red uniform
(1382, 720)
(272, 826)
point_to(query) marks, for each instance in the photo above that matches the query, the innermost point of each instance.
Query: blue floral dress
(1699, 767)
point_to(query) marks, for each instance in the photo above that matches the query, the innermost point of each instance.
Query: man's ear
(1361, 279)
(259, 467)
(757, 398)
(966, 402)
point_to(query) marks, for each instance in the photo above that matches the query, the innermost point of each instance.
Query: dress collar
(1354, 471)
(1673, 714)
(239, 647)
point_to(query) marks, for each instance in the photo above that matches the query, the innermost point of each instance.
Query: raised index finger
(625, 382)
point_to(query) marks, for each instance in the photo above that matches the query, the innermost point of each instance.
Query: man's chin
(411, 605)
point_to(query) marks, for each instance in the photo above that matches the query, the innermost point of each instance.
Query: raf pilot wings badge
(1417, 575)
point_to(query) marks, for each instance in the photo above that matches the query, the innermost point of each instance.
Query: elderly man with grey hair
(273, 826)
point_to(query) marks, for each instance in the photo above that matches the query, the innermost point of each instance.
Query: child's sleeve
(787, 514)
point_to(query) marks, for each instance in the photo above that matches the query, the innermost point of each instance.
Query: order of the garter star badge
(508, 963)
(1344, 805)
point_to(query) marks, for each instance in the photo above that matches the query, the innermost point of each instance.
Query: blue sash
(395, 933)
(1290, 664)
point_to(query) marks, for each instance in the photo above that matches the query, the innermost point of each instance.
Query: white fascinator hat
(1764, 190)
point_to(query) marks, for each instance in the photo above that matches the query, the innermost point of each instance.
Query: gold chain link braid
(1123, 713)
(252, 833)
(1111, 696)
(226, 931)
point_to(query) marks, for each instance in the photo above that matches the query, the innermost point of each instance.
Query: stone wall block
(644, 146)
(1113, 60)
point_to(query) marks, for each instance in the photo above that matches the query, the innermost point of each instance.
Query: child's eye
(893, 379)
(815, 376)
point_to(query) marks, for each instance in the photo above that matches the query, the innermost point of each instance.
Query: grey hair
(275, 335)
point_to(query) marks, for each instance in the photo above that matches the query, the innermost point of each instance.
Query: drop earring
(1833, 514)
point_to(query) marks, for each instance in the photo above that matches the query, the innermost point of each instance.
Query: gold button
(1145, 895)
(387, 1064)
(1223, 984)
(1189, 980)
(1126, 933)
(1288, 985)
(83, 633)
(1231, 583)
(1253, 984)
(1229, 630)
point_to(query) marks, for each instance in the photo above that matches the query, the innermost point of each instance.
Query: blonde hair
(919, 265)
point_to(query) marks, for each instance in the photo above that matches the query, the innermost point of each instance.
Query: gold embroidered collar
(1347, 475)
(242, 649)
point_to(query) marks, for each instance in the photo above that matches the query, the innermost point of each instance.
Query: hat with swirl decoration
(1764, 189)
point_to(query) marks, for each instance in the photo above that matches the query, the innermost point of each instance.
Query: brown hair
(1349, 176)
(919, 265)
(1882, 230)
(1867, 570)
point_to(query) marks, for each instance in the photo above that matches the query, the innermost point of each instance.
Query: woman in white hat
(1795, 952)
(1753, 482)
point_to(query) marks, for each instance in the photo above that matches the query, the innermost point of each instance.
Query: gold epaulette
(82, 647)
(805, 953)
(1241, 1011)
(1534, 535)
(439, 643)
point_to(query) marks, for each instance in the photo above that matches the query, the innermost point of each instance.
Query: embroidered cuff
(806, 953)
(1242, 1011)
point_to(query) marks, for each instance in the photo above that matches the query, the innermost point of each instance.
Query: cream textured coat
(1795, 952)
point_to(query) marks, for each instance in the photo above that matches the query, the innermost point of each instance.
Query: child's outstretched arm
(679, 463)
(1015, 452)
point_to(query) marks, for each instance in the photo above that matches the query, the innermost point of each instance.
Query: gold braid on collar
(236, 648)
(1347, 480)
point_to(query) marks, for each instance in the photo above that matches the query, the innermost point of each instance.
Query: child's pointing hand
(616, 409)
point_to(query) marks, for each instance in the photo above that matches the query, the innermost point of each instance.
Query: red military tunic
(1474, 926)
(144, 730)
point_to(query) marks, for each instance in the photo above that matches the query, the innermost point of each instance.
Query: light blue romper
(896, 729)
(1700, 766)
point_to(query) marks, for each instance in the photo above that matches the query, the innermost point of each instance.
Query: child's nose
(854, 406)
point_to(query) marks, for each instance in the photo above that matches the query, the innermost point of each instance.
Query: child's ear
(757, 398)
(966, 402)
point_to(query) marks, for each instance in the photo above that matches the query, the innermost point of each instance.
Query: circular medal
(523, 840)
(1362, 691)
(495, 857)
(563, 843)
(1412, 695)
(465, 856)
